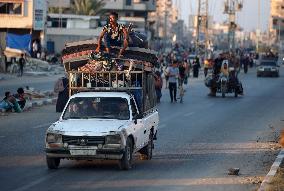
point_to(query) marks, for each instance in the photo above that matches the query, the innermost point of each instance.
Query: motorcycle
(229, 84)
(224, 84)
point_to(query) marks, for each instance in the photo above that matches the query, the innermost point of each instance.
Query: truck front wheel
(52, 163)
(126, 162)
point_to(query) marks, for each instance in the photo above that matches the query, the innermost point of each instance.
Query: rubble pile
(39, 66)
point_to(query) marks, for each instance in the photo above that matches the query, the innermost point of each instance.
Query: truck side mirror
(137, 116)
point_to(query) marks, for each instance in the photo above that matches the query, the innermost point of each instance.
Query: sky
(247, 18)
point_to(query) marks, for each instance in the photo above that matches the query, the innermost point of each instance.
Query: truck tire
(147, 151)
(236, 92)
(125, 162)
(52, 163)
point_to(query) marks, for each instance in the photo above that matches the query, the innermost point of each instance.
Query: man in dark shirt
(22, 63)
(112, 34)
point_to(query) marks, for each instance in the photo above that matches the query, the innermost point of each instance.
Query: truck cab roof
(101, 94)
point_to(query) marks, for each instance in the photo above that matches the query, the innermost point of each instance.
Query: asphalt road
(198, 142)
(12, 83)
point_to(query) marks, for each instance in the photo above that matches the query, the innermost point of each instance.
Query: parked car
(268, 68)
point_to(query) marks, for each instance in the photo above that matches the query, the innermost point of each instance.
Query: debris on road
(233, 171)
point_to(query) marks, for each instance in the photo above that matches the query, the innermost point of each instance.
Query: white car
(101, 125)
(268, 68)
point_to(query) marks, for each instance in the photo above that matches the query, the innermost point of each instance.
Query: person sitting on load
(112, 34)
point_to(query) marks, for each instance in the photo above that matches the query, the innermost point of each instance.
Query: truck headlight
(112, 139)
(53, 138)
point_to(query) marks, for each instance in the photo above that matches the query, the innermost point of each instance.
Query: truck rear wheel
(52, 163)
(126, 162)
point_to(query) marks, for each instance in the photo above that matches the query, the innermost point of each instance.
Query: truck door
(138, 131)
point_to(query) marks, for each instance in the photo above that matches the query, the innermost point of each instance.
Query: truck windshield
(97, 108)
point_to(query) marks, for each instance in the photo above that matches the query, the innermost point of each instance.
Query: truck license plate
(83, 152)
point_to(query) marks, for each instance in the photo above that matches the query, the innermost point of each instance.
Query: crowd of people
(177, 65)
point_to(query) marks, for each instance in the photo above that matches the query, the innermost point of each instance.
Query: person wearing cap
(173, 73)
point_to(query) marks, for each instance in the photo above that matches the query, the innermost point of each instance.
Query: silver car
(268, 68)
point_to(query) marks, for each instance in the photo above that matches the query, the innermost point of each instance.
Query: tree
(88, 7)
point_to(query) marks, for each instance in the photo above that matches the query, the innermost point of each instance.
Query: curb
(272, 172)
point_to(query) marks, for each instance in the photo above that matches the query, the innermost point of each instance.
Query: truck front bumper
(109, 153)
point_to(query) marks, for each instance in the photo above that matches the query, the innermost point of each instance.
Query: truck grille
(83, 140)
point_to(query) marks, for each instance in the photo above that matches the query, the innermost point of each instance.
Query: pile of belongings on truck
(98, 63)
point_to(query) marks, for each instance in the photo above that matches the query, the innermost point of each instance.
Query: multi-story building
(63, 28)
(277, 20)
(21, 23)
(165, 16)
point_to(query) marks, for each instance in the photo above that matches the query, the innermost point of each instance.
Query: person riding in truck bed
(112, 34)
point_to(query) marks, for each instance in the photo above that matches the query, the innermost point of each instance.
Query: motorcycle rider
(216, 71)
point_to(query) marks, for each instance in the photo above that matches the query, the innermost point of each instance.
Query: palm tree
(88, 7)
(53, 10)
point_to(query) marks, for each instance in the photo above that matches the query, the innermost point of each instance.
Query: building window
(57, 22)
(128, 2)
(11, 8)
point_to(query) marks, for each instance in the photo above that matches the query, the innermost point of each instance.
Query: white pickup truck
(111, 113)
(100, 125)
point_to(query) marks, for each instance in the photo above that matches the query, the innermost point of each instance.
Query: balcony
(74, 32)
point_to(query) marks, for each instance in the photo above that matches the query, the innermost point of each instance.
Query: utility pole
(166, 23)
(231, 7)
(258, 28)
(202, 28)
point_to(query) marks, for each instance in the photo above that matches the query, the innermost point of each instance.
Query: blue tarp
(21, 42)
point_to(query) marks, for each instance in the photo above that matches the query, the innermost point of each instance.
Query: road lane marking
(42, 125)
(188, 114)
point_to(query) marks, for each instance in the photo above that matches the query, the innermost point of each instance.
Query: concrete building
(22, 22)
(277, 21)
(63, 28)
(165, 16)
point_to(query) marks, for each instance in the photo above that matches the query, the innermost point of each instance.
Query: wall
(61, 36)
(19, 21)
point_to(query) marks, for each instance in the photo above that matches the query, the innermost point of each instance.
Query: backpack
(59, 86)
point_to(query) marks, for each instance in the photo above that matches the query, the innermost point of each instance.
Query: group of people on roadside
(14, 102)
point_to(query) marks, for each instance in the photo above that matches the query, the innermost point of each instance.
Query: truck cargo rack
(105, 81)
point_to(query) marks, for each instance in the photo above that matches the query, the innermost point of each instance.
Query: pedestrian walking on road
(181, 69)
(61, 87)
(158, 85)
(196, 66)
(173, 73)
(22, 62)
